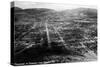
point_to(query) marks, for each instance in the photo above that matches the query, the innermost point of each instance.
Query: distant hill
(34, 14)
(16, 8)
(80, 13)
(42, 14)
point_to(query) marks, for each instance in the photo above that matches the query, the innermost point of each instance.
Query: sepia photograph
(50, 33)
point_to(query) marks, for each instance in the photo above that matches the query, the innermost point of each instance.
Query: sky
(58, 7)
